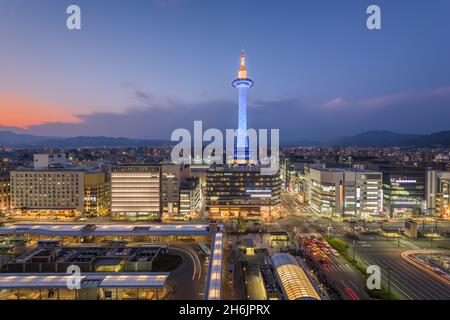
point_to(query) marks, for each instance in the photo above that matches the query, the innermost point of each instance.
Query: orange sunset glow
(21, 111)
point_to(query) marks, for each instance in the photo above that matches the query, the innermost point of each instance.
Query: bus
(118, 243)
(204, 250)
(49, 243)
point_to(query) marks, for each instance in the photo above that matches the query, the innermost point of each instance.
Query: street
(406, 280)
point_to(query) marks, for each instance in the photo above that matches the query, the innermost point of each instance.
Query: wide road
(407, 281)
(347, 278)
(188, 280)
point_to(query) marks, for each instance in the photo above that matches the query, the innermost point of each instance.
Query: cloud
(297, 118)
(388, 101)
(335, 103)
(142, 97)
(155, 122)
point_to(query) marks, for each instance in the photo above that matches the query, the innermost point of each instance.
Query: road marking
(398, 282)
(431, 286)
(192, 258)
(427, 287)
(354, 286)
(349, 291)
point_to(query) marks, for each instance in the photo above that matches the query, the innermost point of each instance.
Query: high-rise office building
(50, 160)
(170, 189)
(403, 190)
(54, 187)
(346, 191)
(5, 166)
(443, 199)
(242, 191)
(136, 192)
(190, 198)
(47, 191)
(437, 193)
(5, 194)
(96, 194)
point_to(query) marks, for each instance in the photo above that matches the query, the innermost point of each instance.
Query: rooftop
(106, 229)
(294, 281)
(100, 280)
(214, 280)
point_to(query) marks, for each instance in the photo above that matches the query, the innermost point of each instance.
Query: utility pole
(356, 199)
(331, 220)
(354, 244)
(431, 238)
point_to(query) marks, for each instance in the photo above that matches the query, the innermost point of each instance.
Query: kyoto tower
(242, 83)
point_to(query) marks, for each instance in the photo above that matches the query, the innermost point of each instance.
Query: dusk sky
(143, 68)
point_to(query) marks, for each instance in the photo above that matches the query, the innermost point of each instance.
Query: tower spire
(242, 74)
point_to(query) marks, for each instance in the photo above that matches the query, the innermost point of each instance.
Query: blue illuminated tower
(242, 83)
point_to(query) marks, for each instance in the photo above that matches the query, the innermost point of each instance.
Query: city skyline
(152, 61)
(178, 152)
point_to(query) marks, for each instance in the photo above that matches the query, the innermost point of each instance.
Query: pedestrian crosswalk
(340, 268)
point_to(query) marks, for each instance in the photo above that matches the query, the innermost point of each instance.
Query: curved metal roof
(294, 281)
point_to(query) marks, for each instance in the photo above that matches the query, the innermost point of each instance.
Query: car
(335, 253)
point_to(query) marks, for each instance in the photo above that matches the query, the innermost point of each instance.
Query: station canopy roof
(295, 282)
(88, 280)
(214, 279)
(63, 229)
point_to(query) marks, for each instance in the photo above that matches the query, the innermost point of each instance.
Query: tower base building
(241, 191)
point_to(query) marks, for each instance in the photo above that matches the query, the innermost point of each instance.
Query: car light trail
(409, 256)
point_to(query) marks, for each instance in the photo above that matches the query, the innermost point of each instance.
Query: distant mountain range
(11, 139)
(365, 139)
(384, 139)
(392, 139)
